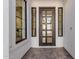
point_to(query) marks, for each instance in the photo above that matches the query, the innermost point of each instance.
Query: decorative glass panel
(49, 39)
(43, 20)
(60, 21)
(43, 13)
(49, 26)
(49, 13)
(33, 21)
(43, 26)
(49, 33)
(43, 40)
(43, 33)
(21, 28)
(49, 19)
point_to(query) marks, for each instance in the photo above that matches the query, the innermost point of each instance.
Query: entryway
(47, 26)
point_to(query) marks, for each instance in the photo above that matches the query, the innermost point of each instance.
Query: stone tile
(47, 53)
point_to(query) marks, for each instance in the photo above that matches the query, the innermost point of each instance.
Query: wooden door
(47, 26)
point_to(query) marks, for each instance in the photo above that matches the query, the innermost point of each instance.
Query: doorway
(47, 26)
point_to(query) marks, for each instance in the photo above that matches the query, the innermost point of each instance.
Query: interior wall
(69, 26)
(17, 51)
(6, 29)
(46, 3)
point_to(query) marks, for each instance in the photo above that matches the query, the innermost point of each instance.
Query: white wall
(69, 22)
(17, 51)
(6, 29)
(46, 3)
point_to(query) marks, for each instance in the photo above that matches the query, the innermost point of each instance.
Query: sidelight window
(60, 21)
(33, 21)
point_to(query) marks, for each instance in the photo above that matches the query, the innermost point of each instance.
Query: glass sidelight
(60, 21)
(47, 26)
(33, 21)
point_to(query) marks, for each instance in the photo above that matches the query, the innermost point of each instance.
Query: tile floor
(47, 53)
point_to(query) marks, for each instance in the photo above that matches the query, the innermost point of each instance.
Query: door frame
(40, 43)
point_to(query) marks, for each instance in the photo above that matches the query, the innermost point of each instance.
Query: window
(21, 21)
(60, 21)
(33, 22)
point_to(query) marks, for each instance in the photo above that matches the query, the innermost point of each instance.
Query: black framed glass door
(47, 26)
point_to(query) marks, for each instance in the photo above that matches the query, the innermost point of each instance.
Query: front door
(47, 26)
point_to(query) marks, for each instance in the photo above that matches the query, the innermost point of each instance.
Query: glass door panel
(49, 13)
(43, 40)
(44, 20)
(49, 26)
(43, 13)
(49, 39)
(43, 33)
(49, 33)
(43, 26)
(49, 19)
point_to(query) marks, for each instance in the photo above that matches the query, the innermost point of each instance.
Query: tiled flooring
(47, 53)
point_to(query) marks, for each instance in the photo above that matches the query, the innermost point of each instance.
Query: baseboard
(26, 52)
(47, 47)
